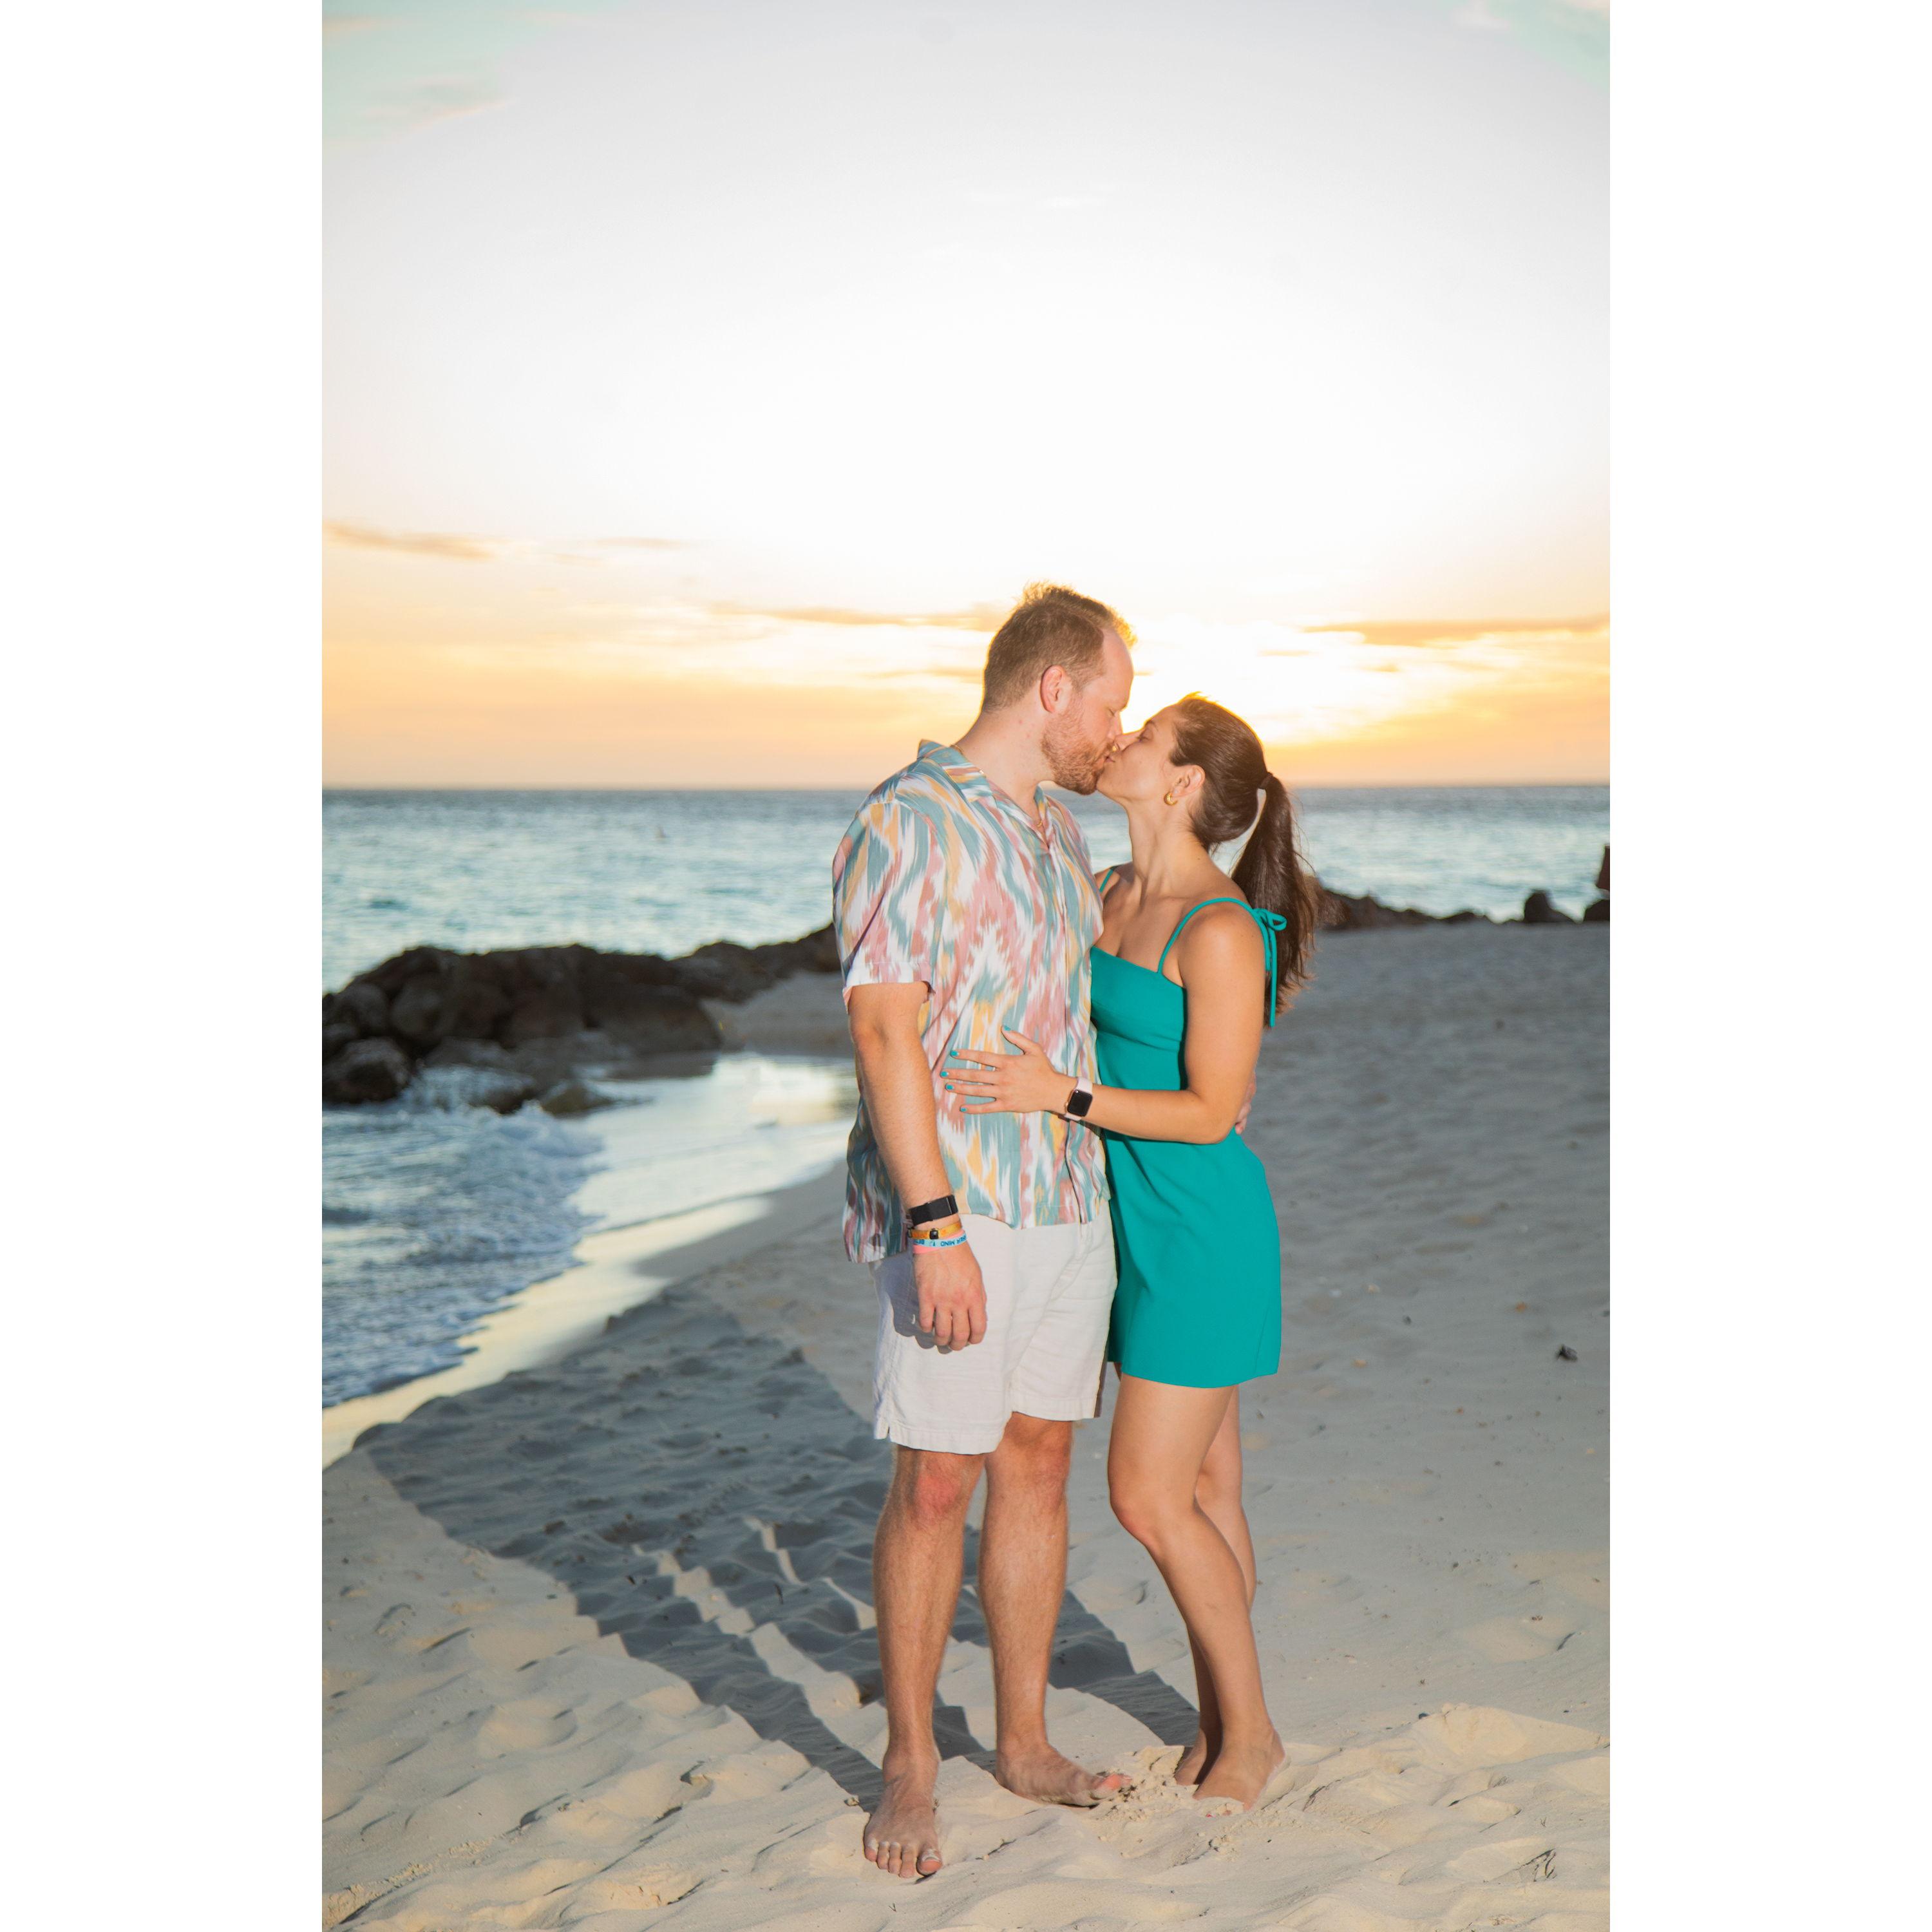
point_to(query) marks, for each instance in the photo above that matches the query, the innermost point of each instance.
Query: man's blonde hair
(1051, 624)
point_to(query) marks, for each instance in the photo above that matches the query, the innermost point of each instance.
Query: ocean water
(434, 1211)
(664, 871)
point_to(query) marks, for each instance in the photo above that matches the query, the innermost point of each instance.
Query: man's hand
(952, 1297)
(1247, 1101)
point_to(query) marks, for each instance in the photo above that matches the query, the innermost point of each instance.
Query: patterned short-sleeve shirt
(944, 879)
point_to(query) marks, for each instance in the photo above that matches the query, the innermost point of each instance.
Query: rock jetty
(526, 1019)
(525, 1022)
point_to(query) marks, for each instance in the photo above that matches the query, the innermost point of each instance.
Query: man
(964, 903)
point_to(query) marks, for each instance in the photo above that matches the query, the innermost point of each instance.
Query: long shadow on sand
(683, 1431)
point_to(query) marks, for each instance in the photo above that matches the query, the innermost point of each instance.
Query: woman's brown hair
(1271, 871)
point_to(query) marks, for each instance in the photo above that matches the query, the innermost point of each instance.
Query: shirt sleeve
(888, 890)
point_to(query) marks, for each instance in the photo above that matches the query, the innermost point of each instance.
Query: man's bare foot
(1195, 1758)
(1042, 1773)
(902, 1835)
(1241, 1771)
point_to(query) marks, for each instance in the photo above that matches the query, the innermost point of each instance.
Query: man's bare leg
(1218, 1490)
(917, 1555)
(1022, 1578)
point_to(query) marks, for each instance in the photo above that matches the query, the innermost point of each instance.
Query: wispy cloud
(1428, 631)
(470, 549)
(415, 543)
(981, 617)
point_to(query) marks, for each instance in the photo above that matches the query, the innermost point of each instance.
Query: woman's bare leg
(1218, 1491)
(1161, 1438)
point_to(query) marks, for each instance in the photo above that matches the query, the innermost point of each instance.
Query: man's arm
(897, 1085)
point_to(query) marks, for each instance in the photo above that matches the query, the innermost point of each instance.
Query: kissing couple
(1046, 1176)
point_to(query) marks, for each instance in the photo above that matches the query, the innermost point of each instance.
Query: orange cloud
(415, 543)
(479, 549)
(1463, 630)
(984, 618)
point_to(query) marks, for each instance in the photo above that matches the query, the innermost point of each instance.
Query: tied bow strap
(1271, 923)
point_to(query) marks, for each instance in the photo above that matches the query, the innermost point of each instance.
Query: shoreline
(622, 1599)
(611, 1271)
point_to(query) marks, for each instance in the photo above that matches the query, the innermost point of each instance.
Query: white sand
(1425, 1481)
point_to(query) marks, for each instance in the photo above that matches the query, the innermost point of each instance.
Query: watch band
(935, 1209)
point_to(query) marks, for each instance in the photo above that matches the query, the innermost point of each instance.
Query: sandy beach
(598, 1645)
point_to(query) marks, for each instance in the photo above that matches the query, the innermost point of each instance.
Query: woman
(1189, 966)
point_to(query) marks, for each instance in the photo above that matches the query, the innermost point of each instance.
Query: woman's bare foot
(902, 1833)
(1044, 1774)
(1241, 1771)
(1195, 1758)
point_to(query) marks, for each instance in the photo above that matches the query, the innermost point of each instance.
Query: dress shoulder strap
(1270, 923)
(1227, 899)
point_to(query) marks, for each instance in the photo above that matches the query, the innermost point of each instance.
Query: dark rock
(1566, 1353)
(1597, 913)
(725, 970)
(633, 998)
(817, 951)
(365, 1006)
(475, 1001)
(416, 1012)
(369, 1069)
(1539, 909)
(543, 1012)
(1465, 917)
(568, 1098)
(608, 980)
(1342, 912)
(664, 1019)
(393, 975)
(1604, 873)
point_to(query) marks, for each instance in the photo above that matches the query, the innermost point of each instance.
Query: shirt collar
(966, 778)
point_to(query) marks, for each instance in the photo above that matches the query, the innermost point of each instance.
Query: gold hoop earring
(1171, 799)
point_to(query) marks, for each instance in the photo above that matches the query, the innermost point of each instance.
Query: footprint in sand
(527, 1725)
(1517, 1639)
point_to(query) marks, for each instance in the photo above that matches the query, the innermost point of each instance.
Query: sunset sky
(705, 377)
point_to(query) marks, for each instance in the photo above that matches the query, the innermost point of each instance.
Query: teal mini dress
(1197, 1245)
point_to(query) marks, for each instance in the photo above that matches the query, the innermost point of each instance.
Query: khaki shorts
(1049, 1292)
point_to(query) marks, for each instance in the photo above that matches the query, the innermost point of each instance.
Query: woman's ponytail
(1272, 872)
(1273, 875)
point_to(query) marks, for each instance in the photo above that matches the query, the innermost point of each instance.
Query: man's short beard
(1076, 767)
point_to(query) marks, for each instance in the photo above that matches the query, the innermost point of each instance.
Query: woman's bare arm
(1222, 965)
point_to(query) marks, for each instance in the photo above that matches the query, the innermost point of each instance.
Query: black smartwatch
(932, 1210)
(1078, 1101)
